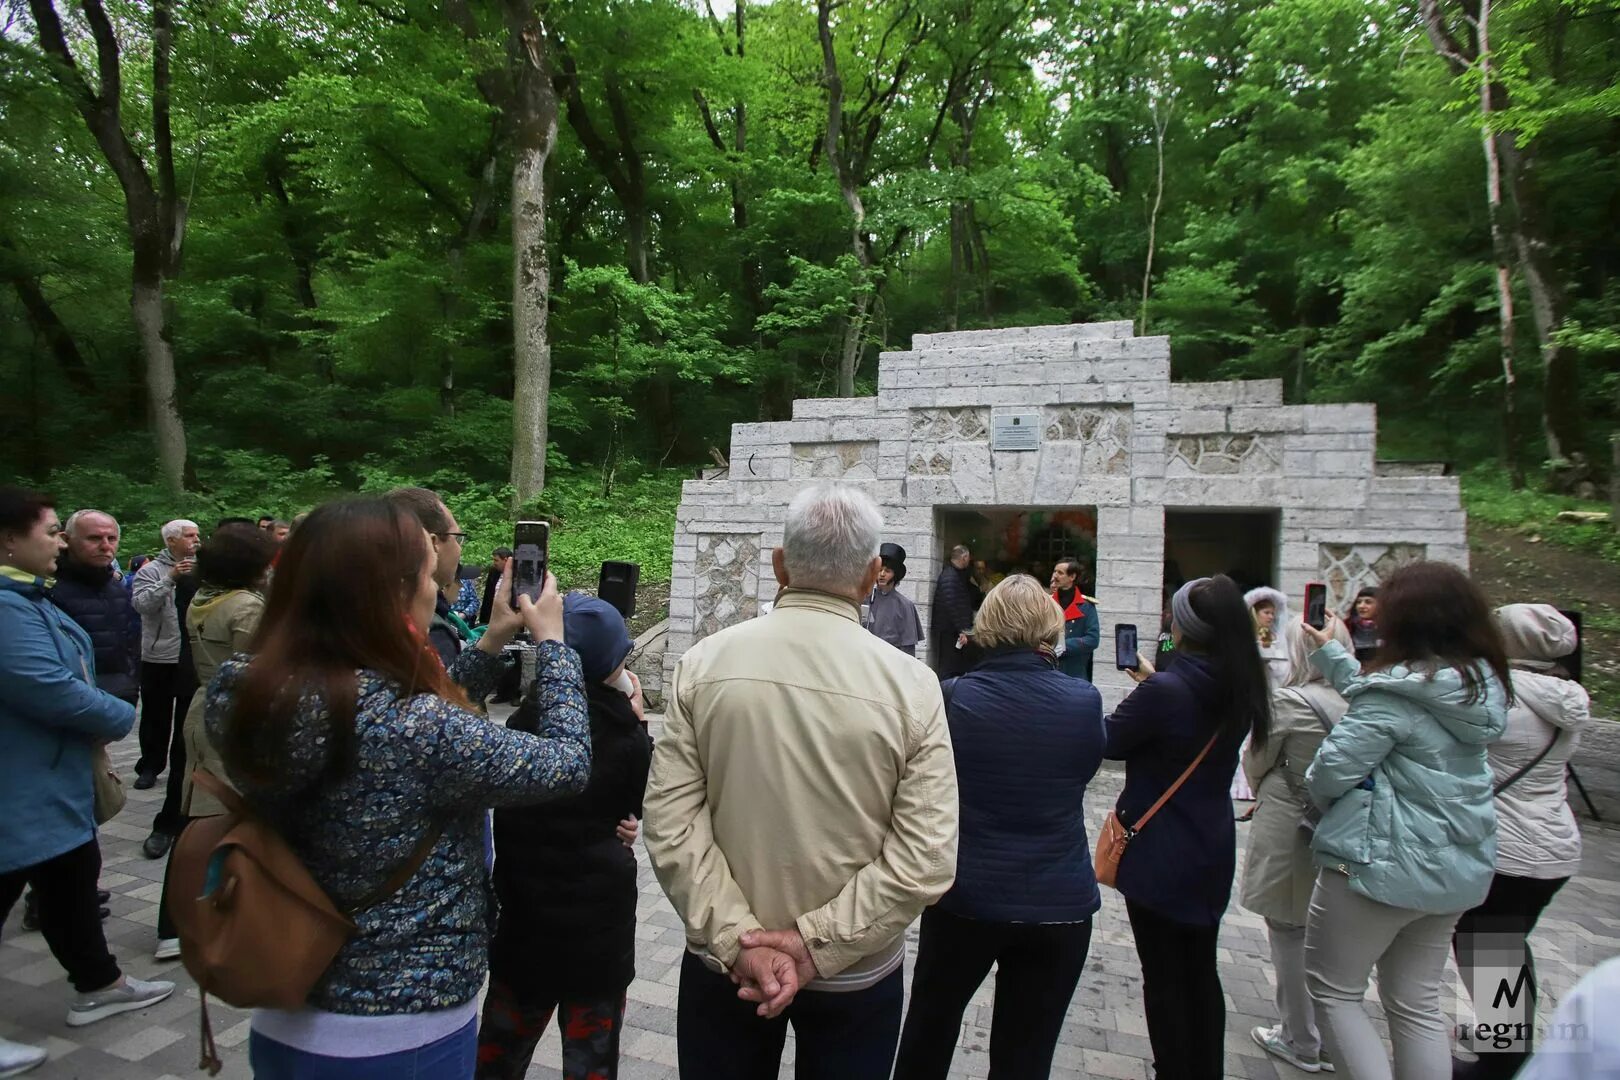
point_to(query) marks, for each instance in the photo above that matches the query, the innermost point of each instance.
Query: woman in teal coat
(52, 717)
(1407, 840)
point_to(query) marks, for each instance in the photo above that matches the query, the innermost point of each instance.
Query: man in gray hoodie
(165, 689)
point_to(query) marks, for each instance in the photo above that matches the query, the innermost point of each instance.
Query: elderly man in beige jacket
(801, 813)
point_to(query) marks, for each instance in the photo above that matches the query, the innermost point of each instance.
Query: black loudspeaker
(617, 585)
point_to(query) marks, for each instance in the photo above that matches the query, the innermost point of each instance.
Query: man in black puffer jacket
(90, 594)
(566, 878)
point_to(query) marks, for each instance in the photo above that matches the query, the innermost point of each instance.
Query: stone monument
(1079, 431)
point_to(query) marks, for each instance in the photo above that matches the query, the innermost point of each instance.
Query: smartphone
(1316, 605)
(1125, 657)
(531, 546)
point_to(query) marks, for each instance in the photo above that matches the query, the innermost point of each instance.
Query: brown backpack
(256, 930)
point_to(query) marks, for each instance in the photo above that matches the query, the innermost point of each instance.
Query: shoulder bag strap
(1516, 777)
(1321, 717)
(1182, 779)
(234, 802)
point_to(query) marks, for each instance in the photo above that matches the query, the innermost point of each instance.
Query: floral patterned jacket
(420, 761)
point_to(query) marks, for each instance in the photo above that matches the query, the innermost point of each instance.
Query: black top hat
(894, 557)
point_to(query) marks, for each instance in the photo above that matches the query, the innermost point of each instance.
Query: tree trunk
(48, 326)
(535, 130)
(849, 360)
(1504, 272)
(1161, 119)
(146, 302)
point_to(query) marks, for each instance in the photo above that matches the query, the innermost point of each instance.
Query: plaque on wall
(1015, 431)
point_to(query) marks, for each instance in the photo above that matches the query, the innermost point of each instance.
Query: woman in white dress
(1269, 609)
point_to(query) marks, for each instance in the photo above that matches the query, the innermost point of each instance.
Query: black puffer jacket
(952, 614)
(96, 599)
(567, 885)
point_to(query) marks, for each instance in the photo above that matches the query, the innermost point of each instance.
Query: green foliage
(1490, 498)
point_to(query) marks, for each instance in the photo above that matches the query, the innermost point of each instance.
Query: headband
(1181, 610)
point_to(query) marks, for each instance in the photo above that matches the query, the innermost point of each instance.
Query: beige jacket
(804, 778)
(220, 623)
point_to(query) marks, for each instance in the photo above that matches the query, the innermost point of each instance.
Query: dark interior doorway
(1019, 540)
(1239, 543)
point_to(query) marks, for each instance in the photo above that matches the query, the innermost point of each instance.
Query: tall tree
(155, 211)
(534, 127)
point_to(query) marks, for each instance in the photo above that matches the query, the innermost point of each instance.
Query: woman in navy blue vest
(1176, 874)
(1027, 740)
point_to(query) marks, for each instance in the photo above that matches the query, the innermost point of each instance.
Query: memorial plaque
(1015, 431)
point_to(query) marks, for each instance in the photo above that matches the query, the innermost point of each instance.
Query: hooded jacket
(1405, 787)
(51, 718)
(1536, 832)
(1276, 654)
(94, 597)
(219, 624)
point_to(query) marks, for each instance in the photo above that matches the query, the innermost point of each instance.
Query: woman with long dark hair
(1408, 833)
(345, 733)
(1176, 875)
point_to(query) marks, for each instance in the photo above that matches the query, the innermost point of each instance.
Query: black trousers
(844, 1036)
(166, 694)
(1037, 968)
(1497, 934)
(69, 913)
(1182, 995)
(165, 923)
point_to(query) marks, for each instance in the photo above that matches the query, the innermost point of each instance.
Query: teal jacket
(51, 718)
(1405, 786)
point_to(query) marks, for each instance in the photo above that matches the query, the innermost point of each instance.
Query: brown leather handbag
(256, 930)
(1115, 835)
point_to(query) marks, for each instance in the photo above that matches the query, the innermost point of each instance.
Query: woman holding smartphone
(1408, 833)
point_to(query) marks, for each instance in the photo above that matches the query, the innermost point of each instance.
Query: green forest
(255, 252)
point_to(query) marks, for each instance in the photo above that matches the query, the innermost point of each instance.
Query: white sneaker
(127, 995)
(17, 1058)
(168, 949)
(1270, 1040)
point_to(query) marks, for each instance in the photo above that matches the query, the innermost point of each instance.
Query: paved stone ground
(1105, 1035)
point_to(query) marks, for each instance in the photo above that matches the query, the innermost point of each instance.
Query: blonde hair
(1300, 669)
(1018, 611)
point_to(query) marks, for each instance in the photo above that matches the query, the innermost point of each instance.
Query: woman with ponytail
(1187, 724)
(345, 733)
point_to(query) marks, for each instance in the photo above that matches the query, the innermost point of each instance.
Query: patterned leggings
(510, 1029)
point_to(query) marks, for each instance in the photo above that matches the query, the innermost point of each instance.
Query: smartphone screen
(1125, 647)
(1316, 605)
(531, 542)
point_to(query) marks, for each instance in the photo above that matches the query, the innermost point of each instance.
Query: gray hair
(175, 528)
(1300, 647)
(830, 537)
(70, 527)
(960, 550)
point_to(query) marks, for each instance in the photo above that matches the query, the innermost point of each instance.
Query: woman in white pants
(1407, 840)
(1278, 871)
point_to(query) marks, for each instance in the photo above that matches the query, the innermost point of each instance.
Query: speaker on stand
(617, 585)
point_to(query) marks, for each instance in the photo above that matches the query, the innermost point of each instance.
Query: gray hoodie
(152, 593)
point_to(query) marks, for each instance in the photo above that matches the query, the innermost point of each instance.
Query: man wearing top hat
(893, 617)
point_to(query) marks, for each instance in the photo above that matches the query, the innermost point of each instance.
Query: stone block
(1014, 477)
(1343, 462)
(931, 490)
(1341, 417)
(1030, 397)
(1196, 421)
(1253, 418)
(895, 400)
(1148, 348)
(834, 408)
(1231, 392)
(1061, 332)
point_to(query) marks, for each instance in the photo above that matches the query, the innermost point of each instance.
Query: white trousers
(1346, 937)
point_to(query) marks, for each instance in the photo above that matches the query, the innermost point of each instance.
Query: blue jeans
(450, 1058)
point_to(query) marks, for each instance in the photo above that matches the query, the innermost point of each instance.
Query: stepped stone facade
(1114, 433)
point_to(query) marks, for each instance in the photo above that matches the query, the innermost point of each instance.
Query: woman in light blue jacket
(1407, 840)
(52, 716)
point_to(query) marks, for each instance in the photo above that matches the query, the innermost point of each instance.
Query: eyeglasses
(458, 537)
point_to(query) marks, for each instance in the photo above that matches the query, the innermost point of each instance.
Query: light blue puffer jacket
(1422, 835)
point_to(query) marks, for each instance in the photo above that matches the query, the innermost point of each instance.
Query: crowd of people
(814, 791)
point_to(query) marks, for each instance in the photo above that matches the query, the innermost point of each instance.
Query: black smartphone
(531, 546)
(1125, 657)
(1316, 605)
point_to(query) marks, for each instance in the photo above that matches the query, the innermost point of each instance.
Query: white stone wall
(1118, 435)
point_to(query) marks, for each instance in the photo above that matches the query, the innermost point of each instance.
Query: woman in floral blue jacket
(347, 734)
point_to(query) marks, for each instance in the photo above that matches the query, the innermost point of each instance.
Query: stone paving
(1105, 1035)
